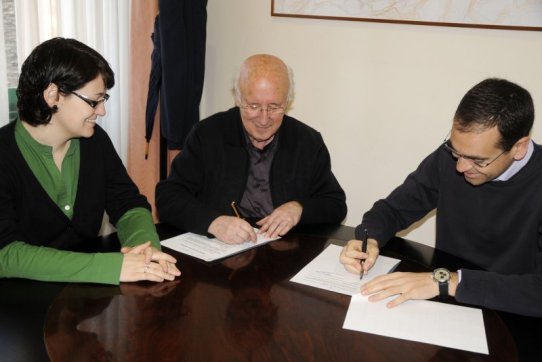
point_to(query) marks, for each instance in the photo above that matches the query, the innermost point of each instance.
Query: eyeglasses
(475, 161)
(91, 102)
(256, 109)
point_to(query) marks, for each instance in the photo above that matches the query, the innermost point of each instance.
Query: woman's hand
(144, 262)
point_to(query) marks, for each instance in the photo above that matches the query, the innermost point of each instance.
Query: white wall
(382, 95)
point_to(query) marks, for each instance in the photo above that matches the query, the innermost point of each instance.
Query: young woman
(59, 173)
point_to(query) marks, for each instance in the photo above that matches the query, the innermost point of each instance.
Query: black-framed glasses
(473, 160)
(91, 102)
(255, 109)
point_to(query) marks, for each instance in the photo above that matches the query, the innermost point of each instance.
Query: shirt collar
(270, 146)
(22, 134)
(29, 141)
(517, 165)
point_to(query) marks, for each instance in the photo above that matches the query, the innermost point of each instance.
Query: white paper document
(420, 320)
(207, 249)
(326, 272)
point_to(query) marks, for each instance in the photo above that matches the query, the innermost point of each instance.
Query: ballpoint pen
(239, 215)
(234, 207)
(363, 250)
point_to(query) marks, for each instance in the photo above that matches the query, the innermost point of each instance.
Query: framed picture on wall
(496, 14)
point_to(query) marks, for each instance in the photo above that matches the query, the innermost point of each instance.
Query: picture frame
(492, 14)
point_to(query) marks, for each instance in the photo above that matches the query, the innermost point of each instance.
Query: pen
(363, 250)
(238, 214)
(234, 207)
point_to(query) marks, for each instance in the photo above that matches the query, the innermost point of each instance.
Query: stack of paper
(208, 249)
(416, 320)
(326, 272)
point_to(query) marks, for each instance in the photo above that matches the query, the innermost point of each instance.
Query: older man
(276, 169)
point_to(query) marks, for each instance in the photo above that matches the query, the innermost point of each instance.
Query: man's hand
(281, 220)
(406, 286)
(232, 230)
(351, 256)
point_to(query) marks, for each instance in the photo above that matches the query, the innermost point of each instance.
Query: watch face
(441, 275)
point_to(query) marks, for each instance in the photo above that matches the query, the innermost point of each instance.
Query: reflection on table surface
(242, 308)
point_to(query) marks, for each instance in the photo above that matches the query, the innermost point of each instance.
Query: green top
(22, 260)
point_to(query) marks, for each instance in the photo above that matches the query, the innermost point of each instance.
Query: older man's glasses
(91, 102)
(256, 109)
(480, 163)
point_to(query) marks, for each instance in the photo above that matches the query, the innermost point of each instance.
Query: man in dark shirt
(485, 182)
(252, 161)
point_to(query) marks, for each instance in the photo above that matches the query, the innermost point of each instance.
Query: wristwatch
(442, 277)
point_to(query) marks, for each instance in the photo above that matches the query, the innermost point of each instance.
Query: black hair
(69, 64)
(497, 102)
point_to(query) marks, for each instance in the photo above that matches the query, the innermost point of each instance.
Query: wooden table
(243, 308)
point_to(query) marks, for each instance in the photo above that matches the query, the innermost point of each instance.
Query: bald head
(263, 67)
(263, 90)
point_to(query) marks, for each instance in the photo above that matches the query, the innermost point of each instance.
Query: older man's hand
(232, 230)
(281, 220)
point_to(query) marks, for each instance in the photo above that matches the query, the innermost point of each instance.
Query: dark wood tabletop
(243, 308)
